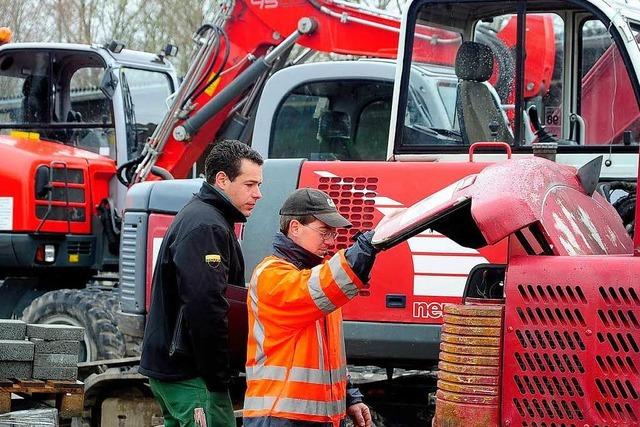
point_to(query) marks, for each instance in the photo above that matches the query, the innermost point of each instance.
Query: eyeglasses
(325, 235)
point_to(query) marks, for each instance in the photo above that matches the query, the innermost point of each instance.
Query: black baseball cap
(309, 201)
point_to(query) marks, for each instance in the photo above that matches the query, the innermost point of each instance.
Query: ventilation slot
(79, 247)
(354, 198)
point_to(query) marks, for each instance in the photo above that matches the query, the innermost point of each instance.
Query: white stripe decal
(388, 211)
(444, 264)
(325, 174)
(439, 286)
(385, 201)
(437, 245)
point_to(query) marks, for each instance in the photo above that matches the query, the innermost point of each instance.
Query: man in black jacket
(185, 350)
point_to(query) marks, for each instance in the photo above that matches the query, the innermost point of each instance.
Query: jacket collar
(216, 198)
(287, 249)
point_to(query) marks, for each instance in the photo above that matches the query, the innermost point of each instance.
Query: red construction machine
(305, 117)
(71, 115)
(550, 337)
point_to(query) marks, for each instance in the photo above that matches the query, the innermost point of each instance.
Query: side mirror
(170, 50)
(109, 83)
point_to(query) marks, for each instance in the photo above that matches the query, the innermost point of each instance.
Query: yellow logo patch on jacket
(213, 260)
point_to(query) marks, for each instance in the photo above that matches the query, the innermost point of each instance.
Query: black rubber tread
(109, 300)
(88, 309)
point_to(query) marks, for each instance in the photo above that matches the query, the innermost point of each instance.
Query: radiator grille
(573, 355)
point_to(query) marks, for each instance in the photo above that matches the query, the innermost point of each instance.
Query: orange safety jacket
(296, 363)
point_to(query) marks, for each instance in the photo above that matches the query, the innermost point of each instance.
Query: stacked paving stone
(56, 351)
(16, 354)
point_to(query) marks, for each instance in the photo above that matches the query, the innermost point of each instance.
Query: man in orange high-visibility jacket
(296, 364)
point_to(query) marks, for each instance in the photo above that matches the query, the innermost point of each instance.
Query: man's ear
(294, 228)
(221, 180)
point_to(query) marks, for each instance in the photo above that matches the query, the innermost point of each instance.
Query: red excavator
(71, 115)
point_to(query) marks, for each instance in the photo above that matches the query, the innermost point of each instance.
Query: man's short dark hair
(226, 156)
(285, 221)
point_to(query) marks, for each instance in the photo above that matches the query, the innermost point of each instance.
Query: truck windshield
(600, 111)
(57, 95)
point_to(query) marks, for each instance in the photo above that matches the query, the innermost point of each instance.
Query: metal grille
(79, 247)
(573, 352)
(354, 199)
(128, 238)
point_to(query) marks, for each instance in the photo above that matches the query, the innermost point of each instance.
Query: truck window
(11, 99)
(56, 94)
(373, 131)
(145, 95)
(607, 106)
(333, 120)
(88, 103)
(599, 109)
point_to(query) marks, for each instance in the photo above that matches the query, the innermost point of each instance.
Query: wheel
(85, 308)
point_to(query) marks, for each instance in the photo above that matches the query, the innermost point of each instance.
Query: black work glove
(361, 255)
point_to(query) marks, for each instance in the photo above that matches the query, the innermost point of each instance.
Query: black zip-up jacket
(199, 256)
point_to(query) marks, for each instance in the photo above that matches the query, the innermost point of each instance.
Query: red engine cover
(572, 340)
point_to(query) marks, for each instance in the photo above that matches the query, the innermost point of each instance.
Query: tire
(85, 308)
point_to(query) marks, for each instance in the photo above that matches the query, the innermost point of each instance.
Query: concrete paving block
(12, 329)
(16, 350)
(55, 332)
(55, 373)
(18, 370)
(56, 347)
(56, 360)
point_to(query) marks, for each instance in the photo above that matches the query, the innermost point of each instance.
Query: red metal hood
(485, 208)
(25, 147)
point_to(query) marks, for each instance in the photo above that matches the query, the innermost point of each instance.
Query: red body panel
(156, 229)
(22, 157)
(429, 269)
(573, 340)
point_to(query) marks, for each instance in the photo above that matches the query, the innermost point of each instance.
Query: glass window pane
(607, 105)
(145, 95)
(373, 131)
(334, 120)
(88, 103)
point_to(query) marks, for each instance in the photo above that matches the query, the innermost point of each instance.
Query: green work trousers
(184, 403)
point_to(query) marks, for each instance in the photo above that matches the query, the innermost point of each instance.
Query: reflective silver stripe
(317, 376)
(317, 294)
(310, 407)
(298, 374)
(258, 328)
(341, 277)
(320, 344)
(266, 372)
(258, 403)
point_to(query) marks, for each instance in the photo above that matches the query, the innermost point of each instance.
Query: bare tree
(26, 18)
